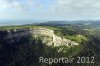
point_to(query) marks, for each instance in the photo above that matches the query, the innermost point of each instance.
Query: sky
(50, 9)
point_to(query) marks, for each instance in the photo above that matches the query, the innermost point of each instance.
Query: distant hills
(47, 23)
(57, 23)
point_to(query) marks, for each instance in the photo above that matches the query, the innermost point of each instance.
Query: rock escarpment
(48, 37)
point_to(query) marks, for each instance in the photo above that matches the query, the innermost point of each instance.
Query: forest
(26, 50)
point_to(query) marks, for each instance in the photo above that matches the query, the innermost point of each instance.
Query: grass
(77, 38)
(24, 26)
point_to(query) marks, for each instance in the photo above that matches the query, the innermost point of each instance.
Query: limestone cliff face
(63, 41)
(46, 35)
(55, 40)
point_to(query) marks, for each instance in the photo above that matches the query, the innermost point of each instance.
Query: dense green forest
(26, 50)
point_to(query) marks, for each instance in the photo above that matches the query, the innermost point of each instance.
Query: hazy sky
(50, 9)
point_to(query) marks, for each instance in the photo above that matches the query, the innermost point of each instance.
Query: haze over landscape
(48, 10)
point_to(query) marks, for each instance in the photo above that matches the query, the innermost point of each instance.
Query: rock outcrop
(47, 35)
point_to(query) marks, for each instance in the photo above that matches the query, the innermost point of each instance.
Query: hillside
(22, 46)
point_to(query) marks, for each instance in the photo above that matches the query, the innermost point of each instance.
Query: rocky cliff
(48, 37)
